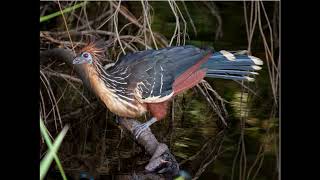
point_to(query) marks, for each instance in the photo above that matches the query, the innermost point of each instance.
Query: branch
(65, 76)
(162, 160)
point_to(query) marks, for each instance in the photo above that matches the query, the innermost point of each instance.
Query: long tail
(232, 65)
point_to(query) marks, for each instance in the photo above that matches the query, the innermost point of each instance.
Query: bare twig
(212, 155)
(177, 28)
(214, 11)
(65, 23)
(64, 76)
(190, 19)
(145, 12)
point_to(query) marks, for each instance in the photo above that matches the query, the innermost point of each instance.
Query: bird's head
(83, 58)
(91, 53)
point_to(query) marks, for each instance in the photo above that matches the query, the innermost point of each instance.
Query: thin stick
(177, 28)
(65, 23)
(64, 76)
(190, 19)
(148, 23)
(184, 23)
(115, 21)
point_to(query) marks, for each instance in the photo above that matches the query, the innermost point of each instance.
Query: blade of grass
(179, 178)
(58, 13)
(53, 149)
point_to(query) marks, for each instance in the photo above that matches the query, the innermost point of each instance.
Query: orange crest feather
(95, 48)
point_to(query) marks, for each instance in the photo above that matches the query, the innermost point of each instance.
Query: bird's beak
(78, 60)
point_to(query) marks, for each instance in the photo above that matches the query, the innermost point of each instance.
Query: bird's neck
(93, 76)
(105, 88)
(93, 79)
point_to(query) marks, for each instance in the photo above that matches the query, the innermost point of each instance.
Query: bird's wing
(153, 72)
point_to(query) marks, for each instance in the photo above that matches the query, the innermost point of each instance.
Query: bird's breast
(121, 104)
(123, 107)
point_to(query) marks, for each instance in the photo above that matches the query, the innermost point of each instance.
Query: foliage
(53, 149)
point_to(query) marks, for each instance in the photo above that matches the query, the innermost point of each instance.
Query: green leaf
(52, 152)
(58, 13)
(179, 178)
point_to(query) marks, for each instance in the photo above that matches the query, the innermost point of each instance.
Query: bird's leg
(142, 127)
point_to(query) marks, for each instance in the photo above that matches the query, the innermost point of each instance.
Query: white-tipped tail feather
(233, 65)
(256, 60)
(249, 78)
(228, 55)
(256, 67)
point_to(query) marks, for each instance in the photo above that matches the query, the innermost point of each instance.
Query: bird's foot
(162, 161)
(143, 127)
(139, 129)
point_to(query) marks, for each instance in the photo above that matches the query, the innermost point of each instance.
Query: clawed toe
(142, 127)
(139, 129)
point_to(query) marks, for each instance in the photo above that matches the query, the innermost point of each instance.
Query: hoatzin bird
(146, 81)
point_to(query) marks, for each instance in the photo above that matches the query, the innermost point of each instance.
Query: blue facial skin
(84, 58)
